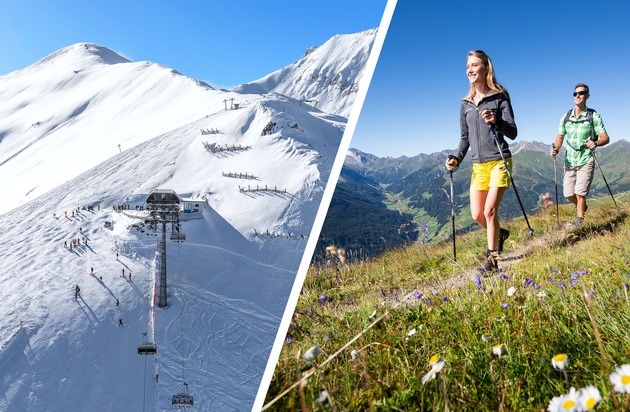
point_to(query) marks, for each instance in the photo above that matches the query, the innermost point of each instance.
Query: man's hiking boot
(503, 235)
(489, 265)
(578, 221)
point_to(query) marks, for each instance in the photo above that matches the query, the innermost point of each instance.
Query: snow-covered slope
(62, 121)
(327, 77)
(77, 105)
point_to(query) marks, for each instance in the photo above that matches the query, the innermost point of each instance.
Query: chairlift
(178, 237)
(183, 399)
(147, 348)
(176, 234)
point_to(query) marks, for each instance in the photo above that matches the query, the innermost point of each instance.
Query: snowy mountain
(326, 77)
(83, 132)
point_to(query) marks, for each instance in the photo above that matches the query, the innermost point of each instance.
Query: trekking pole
(605, 181)
(507, 169)
(453, 212)
(555, 180)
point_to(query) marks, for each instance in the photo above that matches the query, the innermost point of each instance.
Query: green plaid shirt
(577, 131)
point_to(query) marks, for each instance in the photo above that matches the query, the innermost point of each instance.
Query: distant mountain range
(380, 203)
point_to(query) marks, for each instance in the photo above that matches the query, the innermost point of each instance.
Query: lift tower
(163, 207)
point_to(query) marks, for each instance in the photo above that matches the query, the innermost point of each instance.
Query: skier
(91, 271)
(123, 272)
(120, 323)
(116, 255)
(117, 302)
(77, 292)
(129, 276)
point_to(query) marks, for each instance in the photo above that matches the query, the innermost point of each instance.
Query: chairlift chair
(176, 234)
(178, 237)
(183, 399)
(147, 348)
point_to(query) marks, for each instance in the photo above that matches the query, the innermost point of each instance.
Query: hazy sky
(224, 43)
(540, 50)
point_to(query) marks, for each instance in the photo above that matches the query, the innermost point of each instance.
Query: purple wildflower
(582, 272)
(573, 283)
(528, 282)
(591, 294)
(626, 286)
(575, 276)
(504, 277)
(444, 299)
(536, 285)
(478, 282)
(561, 285)
(418, 295)
(289, 340)
(554, 271)
(429, 302)
(618, 292)
(323, 298)
(505, 305)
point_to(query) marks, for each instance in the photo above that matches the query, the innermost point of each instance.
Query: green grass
(382, 370)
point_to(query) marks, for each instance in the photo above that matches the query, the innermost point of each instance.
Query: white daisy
(498, 350)
(620, 379)
(436, 359)
(560, 361)
(354, 354)
(411, 332)
(565, 403)
(323, 396)
(312, 353)
(589, 397)
(511, 291)
(486, 338)
(437, 364)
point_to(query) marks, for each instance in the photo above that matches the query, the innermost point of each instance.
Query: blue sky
(224, 43)
(540, 50)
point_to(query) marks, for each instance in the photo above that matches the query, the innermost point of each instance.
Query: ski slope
(86, 127)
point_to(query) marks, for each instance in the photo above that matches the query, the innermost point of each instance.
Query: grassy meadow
(414, 330)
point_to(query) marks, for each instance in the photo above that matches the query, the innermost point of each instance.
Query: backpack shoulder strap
(590, 121)
(566, 117)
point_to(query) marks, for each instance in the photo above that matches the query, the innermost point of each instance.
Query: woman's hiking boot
(489, 266)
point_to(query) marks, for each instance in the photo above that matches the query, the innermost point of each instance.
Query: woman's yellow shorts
(490, 174)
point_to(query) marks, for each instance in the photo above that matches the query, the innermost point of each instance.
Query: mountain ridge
(419, 186)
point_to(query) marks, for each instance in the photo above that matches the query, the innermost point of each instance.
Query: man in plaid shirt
(584, 132)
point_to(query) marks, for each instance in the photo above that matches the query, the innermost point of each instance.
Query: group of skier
(75, 242)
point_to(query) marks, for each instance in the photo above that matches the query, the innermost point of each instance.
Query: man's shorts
(490, 174)
(577, 180)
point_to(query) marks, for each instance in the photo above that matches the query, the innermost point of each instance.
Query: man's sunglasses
(580, 93)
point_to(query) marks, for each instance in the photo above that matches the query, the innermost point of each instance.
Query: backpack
(589, 118)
